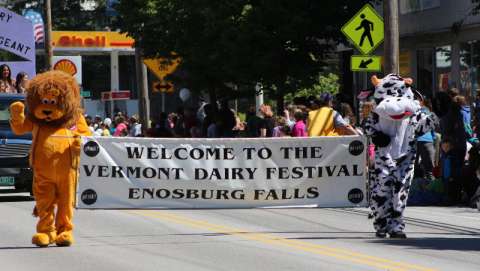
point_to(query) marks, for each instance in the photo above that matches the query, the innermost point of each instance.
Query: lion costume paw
(44, 239)
(64, 239)
(16, 111)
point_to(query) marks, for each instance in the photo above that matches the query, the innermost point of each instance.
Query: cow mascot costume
(55, 119)
(394, 126)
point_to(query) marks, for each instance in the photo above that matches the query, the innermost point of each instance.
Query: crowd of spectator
(122, 125)
(210, 121)
(316, 117)
(456, 159)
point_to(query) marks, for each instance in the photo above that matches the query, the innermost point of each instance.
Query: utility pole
(391, 42)
(142, 84)
(258, 97)
(48, 39)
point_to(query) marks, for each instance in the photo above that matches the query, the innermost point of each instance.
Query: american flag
(37, 22)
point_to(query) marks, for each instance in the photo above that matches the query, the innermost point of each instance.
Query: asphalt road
(440, 238)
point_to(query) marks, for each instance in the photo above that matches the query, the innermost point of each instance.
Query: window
(96, 74)
(469, 63)
(425, 71)
(443, 60)
(127, 74)
(4, 113)
(410, 6)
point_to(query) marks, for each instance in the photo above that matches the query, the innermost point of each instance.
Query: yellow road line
(234, 231)
(271, 239)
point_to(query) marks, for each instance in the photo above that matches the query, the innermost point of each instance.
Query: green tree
(201, 32)
(71, 14)
(325, 83)
(281, 43)
(291, 41)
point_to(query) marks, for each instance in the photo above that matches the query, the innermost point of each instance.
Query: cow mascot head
(396, 115)
(394, 98)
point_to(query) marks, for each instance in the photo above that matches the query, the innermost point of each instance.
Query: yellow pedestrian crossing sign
(365, 29)
(366, 63)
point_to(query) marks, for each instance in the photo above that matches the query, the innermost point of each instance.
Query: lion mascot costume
(55, 119)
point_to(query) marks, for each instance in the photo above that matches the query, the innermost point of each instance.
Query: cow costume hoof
(381, 234)
(398, 235)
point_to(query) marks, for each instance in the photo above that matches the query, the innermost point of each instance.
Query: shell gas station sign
(69, 64)
(91, 40)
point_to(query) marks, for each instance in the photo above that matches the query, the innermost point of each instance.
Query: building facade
(440, 45)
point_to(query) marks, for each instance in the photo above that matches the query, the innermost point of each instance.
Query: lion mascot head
(53, 98)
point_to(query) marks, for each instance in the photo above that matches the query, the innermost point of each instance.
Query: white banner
(143, 173)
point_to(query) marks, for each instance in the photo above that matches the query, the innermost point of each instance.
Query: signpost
(163, 87)
(161, 68)
(365, 30)
(366, 63)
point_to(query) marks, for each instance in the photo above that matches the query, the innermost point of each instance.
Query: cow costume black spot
(394, 125)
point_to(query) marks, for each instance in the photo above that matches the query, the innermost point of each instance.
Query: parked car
(14, 150)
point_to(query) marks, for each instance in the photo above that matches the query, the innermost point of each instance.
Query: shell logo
(67, 66)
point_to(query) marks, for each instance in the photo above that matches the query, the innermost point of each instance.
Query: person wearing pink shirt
(121, 129)
(299, 128)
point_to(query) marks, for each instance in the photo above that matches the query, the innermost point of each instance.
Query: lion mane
(68, 99)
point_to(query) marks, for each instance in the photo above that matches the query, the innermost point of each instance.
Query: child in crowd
(299, 128)
(281, 128)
